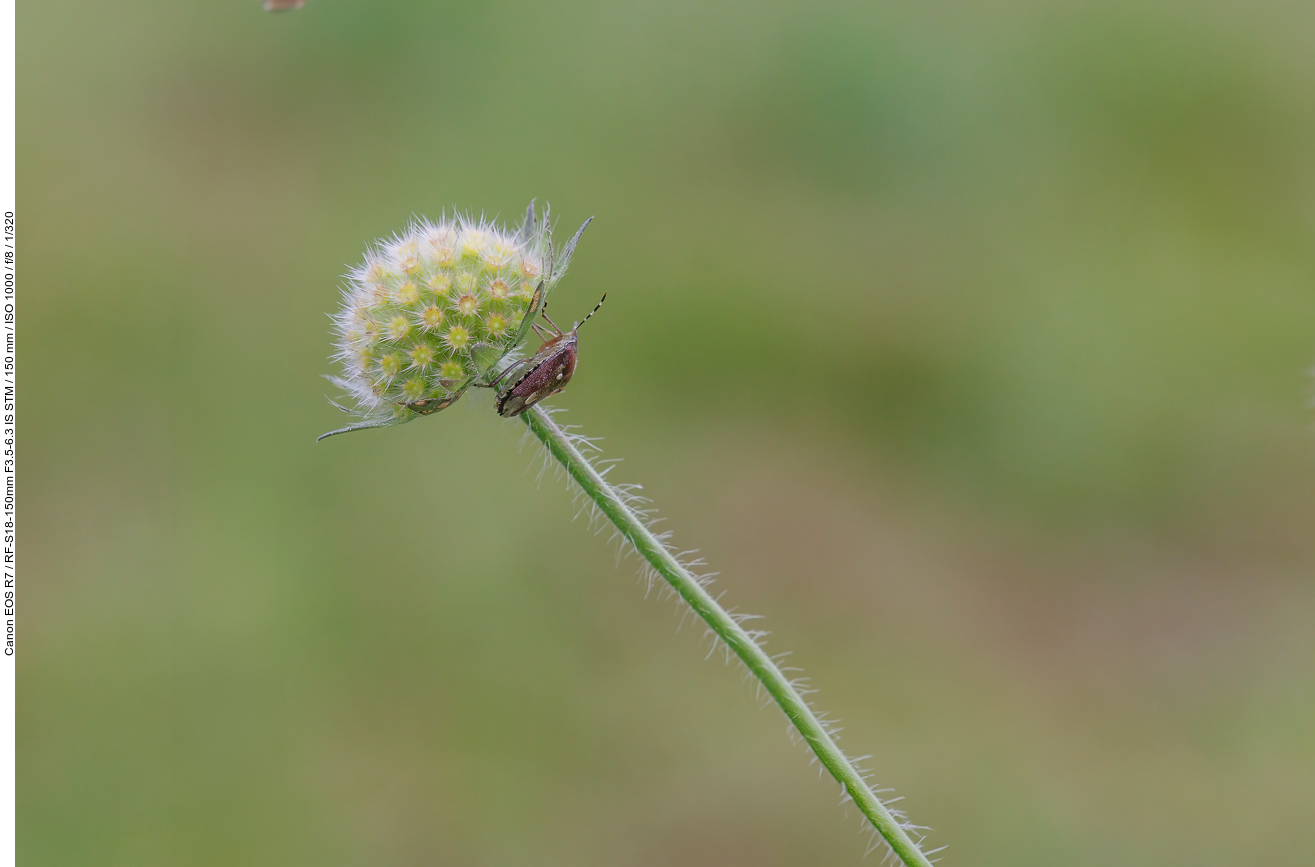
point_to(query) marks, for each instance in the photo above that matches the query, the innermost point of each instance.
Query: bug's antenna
(591, 312)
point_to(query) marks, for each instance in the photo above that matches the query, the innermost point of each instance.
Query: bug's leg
(538, 329)
(544, 314)
(515, 365)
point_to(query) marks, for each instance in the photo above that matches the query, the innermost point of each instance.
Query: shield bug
(543, 374)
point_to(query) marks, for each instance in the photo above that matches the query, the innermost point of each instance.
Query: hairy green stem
(632, 526)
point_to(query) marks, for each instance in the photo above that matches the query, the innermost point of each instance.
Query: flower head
(468, 305)
(418, 304)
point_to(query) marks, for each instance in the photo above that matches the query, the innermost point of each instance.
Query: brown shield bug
(543, 374)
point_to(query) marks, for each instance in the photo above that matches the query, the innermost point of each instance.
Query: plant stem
(614, 504)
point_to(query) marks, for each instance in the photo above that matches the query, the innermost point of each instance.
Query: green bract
(433, 310)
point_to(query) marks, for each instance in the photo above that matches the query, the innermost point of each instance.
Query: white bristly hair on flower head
(432, 310)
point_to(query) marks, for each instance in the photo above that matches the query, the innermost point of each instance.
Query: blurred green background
(968, 340)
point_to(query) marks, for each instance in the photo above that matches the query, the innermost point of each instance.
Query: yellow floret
(432, 317)
(398, 328)
(439, 283)
(468, 305)
(422, 356)
(458, 337)
(473, 243)
(500, 254)
(414, 389)
(408, 293)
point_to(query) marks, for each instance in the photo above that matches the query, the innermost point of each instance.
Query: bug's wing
(512, 406)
